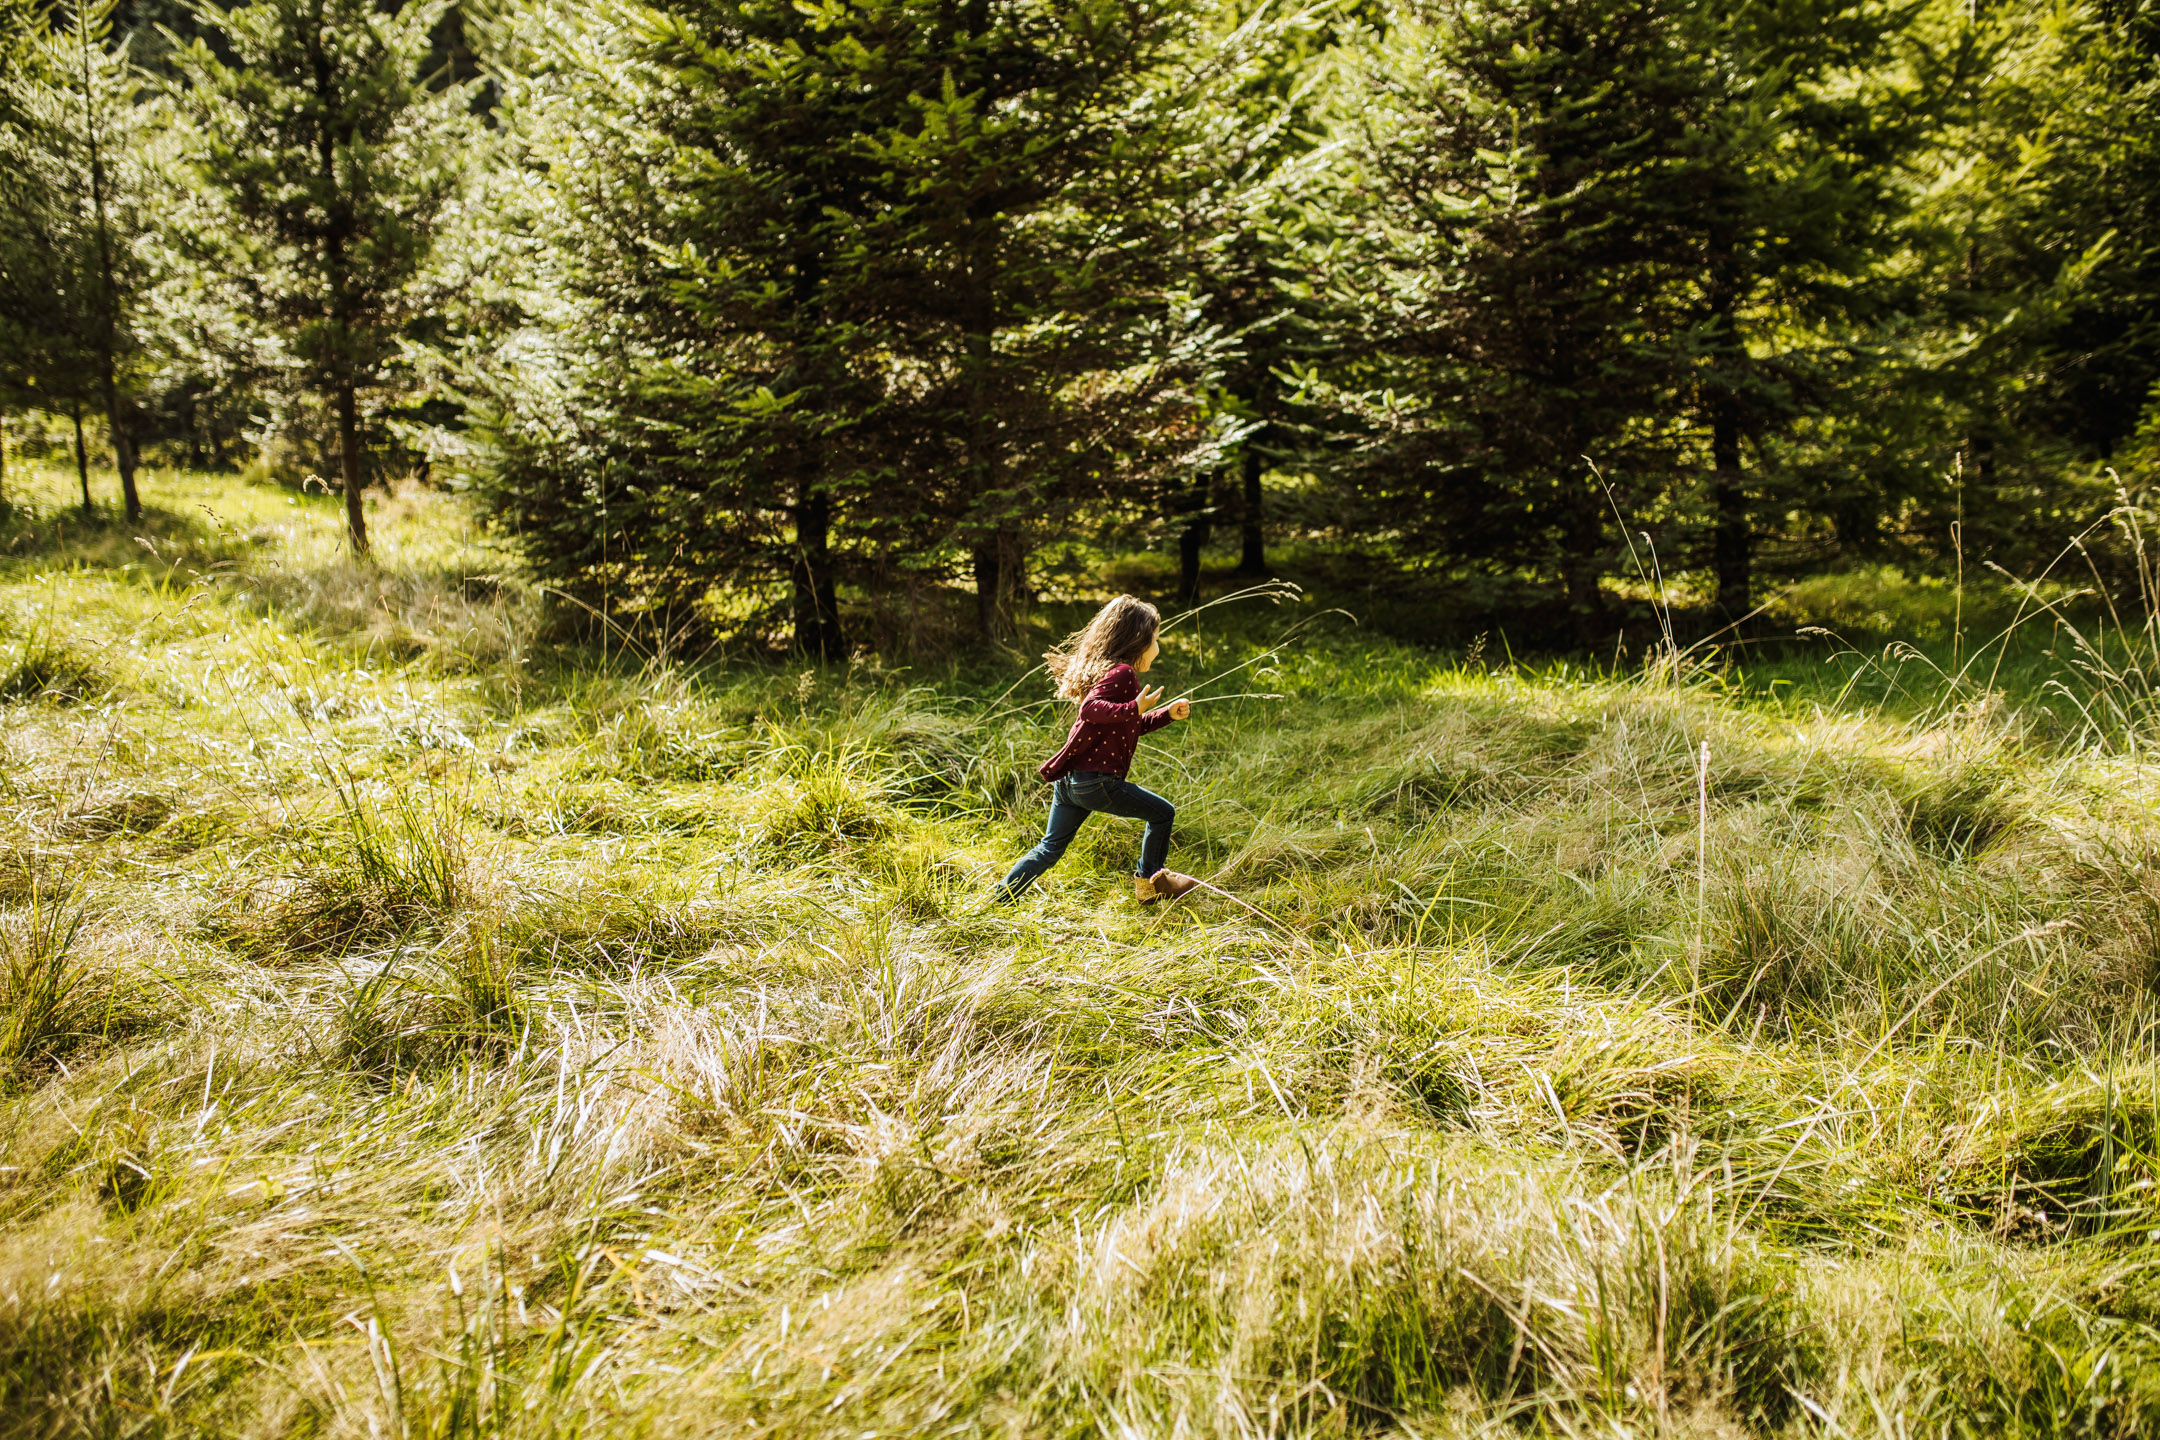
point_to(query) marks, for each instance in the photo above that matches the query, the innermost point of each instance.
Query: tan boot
(1169, 884)
(1143, 890)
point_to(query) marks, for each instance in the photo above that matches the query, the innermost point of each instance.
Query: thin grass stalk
(1702, 871)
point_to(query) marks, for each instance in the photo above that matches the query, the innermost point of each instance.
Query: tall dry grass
(477, 1034)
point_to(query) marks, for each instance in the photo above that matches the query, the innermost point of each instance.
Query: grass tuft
(1961, 808)
(52, 1001)
(823, 807)
(45, 668)
(375, 876)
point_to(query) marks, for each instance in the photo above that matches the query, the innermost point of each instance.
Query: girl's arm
(1155, 719)
(1112, 700)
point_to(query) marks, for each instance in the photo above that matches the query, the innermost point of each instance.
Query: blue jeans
(1072, 800)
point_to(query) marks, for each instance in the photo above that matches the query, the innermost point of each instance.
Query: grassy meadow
(416, 1023)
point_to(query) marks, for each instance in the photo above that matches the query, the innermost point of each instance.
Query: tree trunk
(1733, 546)
(1979, 457)
(1193, 537)
(348, 415)
(999, 578)
(810, 576)
(1191, 541)
(1254, 559)
(116, 426)
(3, 463)
(340, 228)
(1582, 568)
(123, 444)
(997, 552)
(813, 587)
(988, 580)
(82, 462)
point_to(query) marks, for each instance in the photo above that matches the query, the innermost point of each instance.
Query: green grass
(417, 1023)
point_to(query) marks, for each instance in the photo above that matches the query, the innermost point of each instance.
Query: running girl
(1100, 667)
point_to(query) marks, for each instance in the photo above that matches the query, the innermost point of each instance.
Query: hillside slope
(415, 1026)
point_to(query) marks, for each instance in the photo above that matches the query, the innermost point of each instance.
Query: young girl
(1100, 667)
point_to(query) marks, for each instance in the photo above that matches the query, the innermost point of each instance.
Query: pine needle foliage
(865, 295)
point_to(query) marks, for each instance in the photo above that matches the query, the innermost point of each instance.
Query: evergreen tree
(73, 276)
(859, 291)
(1604, 237)
(1261, 243)
(34, 281)
(2039, 246)
(1058, 191)
(1798, 182)
(336, 157)
(1531, 168)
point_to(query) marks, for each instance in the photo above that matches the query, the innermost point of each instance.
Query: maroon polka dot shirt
(1109, 727)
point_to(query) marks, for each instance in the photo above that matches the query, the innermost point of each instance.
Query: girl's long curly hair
(1118, 635)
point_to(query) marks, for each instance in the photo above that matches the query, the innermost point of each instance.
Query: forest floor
(417, 1026)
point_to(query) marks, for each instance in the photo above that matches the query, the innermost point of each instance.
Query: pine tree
(15, 63)
(2038, 244)
(870, 292)
(34, 279)
(1530, 167)
(72, 273)
(336, 157)
(1260, 245)
(1603, 237)
(1799, 182)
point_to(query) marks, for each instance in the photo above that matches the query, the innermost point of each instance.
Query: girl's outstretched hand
(1148, 696)
(1180, 708)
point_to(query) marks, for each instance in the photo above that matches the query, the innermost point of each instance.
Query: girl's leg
(1122, 797)
(1065, 818)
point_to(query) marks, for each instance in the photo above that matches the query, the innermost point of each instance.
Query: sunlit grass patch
(411, 1009)
(822, 804)
(1962, 807)
(116, 810)
(1387, 1276)
(610, 920)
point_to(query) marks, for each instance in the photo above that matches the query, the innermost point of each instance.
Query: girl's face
(1147, 657)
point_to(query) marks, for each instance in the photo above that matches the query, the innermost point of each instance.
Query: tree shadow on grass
(165, 545)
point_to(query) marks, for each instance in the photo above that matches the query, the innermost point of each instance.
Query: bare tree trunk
(116, 420)
(348, 412)
(82, 462)
(1254, 559)
(1582, 569)
(987, 582)
(997, 553)
(1190, 543)
(3, 463)
(811, 581)
(1198, 529)
(338, 231)
(123, 444)
(817, 604)
(1000, 576)
(1733, 545)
